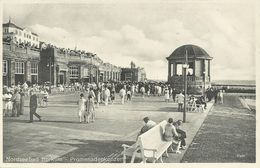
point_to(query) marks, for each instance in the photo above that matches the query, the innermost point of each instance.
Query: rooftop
(193, 51)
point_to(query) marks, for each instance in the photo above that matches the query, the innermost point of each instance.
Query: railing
(189, 78)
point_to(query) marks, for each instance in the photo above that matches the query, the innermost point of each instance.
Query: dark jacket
(33, 101)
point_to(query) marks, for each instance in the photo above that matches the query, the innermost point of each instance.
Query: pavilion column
(209, 70)
(173, 69)
(169, 71)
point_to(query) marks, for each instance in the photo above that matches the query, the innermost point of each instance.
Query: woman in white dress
(167, 95)
(81, 107)
(8, 105)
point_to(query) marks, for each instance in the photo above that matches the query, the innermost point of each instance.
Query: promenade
(61, 138)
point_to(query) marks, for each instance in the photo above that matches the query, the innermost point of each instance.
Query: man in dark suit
(33, 107)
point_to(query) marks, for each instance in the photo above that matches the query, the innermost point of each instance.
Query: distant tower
(132, 65)
(198, 73)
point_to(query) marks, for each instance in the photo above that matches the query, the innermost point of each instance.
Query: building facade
(133, 74)
(20, 36)
(20, 64)
(63, 66)
(25, 59)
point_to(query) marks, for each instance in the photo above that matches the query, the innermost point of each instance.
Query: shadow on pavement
(50, 121)
(164, 109)
(93, 151)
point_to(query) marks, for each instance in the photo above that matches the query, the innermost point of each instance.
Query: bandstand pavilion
(198, 71)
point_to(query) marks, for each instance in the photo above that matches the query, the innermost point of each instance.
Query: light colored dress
(167, 94)
(90, 106)
(81, 106)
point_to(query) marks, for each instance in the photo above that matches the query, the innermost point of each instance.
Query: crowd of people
(94, 94)
(14, 96)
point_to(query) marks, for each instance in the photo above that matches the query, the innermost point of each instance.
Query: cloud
(55, 35)
(226, 37)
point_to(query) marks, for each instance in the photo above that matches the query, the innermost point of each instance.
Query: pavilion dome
(193, 51)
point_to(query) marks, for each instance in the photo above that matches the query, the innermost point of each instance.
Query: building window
(19, 67)
(24, 35)
(5, 66)
(34, 68)
(33, 38)
(74, 72)
(16, 32)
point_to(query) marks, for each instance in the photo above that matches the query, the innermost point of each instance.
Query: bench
(150, 146)
(194, 107)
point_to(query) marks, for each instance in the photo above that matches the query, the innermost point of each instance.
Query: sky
(147, 33)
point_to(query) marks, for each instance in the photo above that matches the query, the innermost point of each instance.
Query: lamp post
(185, 67)
(50, 64)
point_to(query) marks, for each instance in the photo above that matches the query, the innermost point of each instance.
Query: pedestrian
(33, 107)
(128, 95)
(22, 93)
(92, 93)
(90, 109)
(122, 95)
(142, 90)
(221, 97)
(106, 95)
(174, 92)
(16, 98)
(133, 90)
(216, 95)
(45, 98)
(81, 106)
(8, 105)
(166, 95)
(112, 96)
(170, 134)
(98, 97)
(180, 101)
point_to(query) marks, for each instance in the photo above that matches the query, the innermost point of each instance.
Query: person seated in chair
(148, 124)
(182, 134)
(171, 134)
(200, 101)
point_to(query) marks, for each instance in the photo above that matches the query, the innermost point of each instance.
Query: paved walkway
(227, 135)
(61, 138)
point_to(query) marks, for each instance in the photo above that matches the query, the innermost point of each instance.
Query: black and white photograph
(130, 82)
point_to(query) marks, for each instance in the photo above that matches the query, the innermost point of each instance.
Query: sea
(235, 82)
